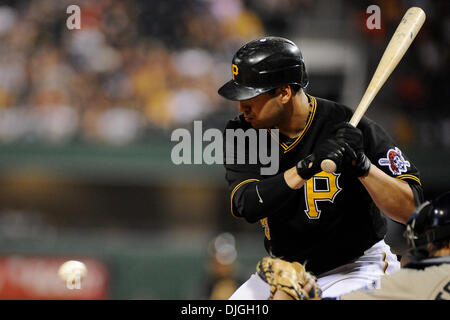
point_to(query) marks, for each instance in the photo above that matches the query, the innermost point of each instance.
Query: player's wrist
(292, 179)
(362, 166)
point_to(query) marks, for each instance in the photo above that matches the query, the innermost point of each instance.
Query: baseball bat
(404, 35)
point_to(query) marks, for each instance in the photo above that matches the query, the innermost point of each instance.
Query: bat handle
(328, 165)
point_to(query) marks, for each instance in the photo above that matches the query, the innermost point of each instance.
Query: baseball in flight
(72, 269)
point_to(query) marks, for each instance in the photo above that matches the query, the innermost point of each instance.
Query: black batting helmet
(262, 65)
(430, 223)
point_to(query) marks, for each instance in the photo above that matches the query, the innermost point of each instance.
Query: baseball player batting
(330, 221)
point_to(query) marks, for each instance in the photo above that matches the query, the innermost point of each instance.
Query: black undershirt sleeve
(418, 193)
(394, 235)
(257, 200)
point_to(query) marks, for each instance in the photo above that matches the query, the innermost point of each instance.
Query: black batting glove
(344, 131)
(330, 149)
(355, 160)
(307, 168)
(362, 165)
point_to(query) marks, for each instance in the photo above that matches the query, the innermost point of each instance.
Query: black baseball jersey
(332, 218)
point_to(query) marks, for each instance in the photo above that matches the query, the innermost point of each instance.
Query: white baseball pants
(363, 271)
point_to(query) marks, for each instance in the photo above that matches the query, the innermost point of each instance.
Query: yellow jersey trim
(308, 124)
(282, 144)
(236, 189)
(409, 176)
(302, 134)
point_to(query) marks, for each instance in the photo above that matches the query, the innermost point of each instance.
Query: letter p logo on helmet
(235, 70)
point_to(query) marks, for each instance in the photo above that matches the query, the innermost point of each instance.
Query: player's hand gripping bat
(404, 35)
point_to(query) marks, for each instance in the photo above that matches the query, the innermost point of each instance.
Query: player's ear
(284, 93)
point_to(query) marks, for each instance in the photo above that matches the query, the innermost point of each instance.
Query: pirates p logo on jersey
(395, 161)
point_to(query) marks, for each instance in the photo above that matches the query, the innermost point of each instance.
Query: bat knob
(328, 165)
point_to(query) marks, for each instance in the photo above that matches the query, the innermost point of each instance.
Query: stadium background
(86, 118)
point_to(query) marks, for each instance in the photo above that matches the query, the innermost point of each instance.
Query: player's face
(263, 111)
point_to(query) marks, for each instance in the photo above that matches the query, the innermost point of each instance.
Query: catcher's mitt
(289, 277)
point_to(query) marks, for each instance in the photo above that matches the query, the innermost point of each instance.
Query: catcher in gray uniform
(426, 275)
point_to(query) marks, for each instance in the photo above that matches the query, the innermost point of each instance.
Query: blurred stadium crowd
(131, 66)
(139, 67)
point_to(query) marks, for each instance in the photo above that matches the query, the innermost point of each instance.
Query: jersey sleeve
(252, 195)
(238, 181)
(237, 175)
(384, 153)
